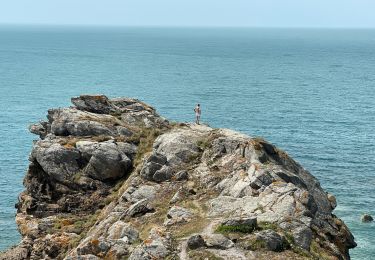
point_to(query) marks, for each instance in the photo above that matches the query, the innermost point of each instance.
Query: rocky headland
(111, 179)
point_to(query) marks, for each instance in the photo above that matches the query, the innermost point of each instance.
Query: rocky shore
(111, 179)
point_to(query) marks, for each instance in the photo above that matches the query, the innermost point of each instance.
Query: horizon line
(182, 26)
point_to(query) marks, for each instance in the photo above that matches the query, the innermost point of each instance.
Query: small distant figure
(197, 111)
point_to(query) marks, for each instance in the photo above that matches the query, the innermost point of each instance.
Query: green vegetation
(256, 244)
(235, 229)
(267, 225)
(318, 252)
(204, 143)
(145, 139)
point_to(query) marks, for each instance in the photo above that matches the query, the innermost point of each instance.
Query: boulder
(260, 178)
(99, 104)
(302, 236)
(40, 128)
(154, 169)
(108, 162)
(157, 158)
(182, 175)
(195, 241)
(155, 247)
(133, 194)
(59, 162)
(273, 241)
(139, 208)
(163, 174)
(148, 170)
(178, 215)
(367, 218)
(178, 146)
(218, 241)
(70, 121)
(123, 231)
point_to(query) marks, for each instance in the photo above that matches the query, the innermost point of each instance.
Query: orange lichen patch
(94, 242)
(256, 143)
(69, 146)
(69, 143)
(110, 255)
(338, 222)
(63, 240)
(101, 98)
(147, 241)
(66, 222)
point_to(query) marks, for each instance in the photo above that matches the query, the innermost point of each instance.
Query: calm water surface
(311, 92)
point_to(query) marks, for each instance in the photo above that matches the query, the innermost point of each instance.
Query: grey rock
(93, 103)
(134, 194)
(178, 146)
(71, 121)
(148, 170)
(249, 223)
(195, 241)
(124, 131)
(139, 208)
(182, 175)
(86, 148)
(57, 161)
(126, 104)
(163, 174)
(176, 197)
(260, 178)
(367, 218)
(124, 231)
(218, 241)
(20, 252)
(272, 239)
(157, 158)
(157, 247)
(154, 169)
(119, 249)
(302, 236)
(40, 128)
(82, 128)
(108, 162)
(129, 149)
(291, 178)
(83, 257)
(178, 215)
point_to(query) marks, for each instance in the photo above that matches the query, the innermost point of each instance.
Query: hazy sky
(265, 13)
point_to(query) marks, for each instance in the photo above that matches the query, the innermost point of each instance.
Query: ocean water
(309, 91)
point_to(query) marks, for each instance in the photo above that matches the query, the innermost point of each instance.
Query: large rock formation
(111, 179)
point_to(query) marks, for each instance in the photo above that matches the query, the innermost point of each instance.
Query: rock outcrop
(111, 179)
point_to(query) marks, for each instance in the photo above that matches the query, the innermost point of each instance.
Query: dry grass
(203, 254)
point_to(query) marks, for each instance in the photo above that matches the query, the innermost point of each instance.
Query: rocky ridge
(111, 179)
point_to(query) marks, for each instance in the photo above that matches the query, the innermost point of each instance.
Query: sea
(309, 91)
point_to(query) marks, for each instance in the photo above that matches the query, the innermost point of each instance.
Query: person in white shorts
(197, 111)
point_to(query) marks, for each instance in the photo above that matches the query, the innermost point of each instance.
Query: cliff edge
(111, 179)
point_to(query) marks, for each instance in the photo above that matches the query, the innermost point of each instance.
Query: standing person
(197, 111)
